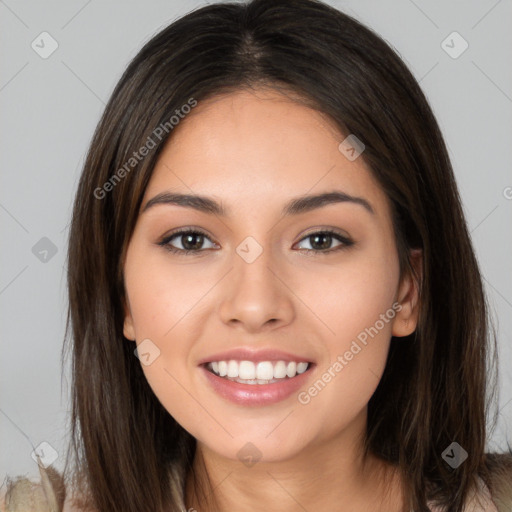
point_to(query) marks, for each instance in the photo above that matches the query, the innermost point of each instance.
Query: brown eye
(186, 241)
(321, 241)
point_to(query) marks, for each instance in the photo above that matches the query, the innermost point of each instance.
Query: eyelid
(187, 229)
(331, 231)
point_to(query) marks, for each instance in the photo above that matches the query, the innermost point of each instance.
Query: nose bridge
(252, 270)
(255, 295)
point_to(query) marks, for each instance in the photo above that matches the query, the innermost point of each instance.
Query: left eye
(321, 241)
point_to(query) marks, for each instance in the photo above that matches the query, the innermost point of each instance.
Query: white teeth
(302, 367)
(246, 370)
(280, 370)
(263, 372)
(232, 369)
(291, 369)
(223, 368)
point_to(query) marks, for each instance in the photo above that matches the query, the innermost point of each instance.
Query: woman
(274, 300)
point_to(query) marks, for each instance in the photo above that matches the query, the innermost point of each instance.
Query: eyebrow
(295, 206)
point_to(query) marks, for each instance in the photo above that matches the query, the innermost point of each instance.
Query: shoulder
(499, 482)
(47, 495)
(22, 494)
(493, 489)
(493, 492)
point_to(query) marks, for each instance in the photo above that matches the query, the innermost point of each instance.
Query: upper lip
(255, 355)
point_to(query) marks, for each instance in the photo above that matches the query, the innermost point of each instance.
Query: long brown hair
(130, 454)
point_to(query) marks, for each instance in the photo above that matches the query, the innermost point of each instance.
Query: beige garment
(25, 496)
(49, 495)
(478, 502)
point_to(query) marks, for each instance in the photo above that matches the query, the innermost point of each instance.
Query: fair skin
(253, 152)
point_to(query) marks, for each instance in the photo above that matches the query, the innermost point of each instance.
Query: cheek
(161, 295)
(351, 297)
(163, 303)
(356, 307)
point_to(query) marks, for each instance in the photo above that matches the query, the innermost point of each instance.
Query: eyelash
(345, 242)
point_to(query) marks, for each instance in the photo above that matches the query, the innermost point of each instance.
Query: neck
(330, 475)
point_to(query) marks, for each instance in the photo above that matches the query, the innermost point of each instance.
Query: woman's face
(263, 283)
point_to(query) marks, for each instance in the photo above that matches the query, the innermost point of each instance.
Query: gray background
(51, 106)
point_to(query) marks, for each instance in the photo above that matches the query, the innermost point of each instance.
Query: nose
(257, 297)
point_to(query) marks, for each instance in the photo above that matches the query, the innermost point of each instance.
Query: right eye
(190, 240)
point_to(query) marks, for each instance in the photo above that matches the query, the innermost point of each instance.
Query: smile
(256, 383)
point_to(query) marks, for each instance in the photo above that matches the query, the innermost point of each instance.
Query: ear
(128, 329)
(406, 319)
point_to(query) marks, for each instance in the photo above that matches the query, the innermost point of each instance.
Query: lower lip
(256, 394)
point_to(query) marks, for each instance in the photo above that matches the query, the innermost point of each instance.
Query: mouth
(260, 373)
(256, 383)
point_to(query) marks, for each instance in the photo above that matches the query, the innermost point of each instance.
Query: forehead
(259, 145)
